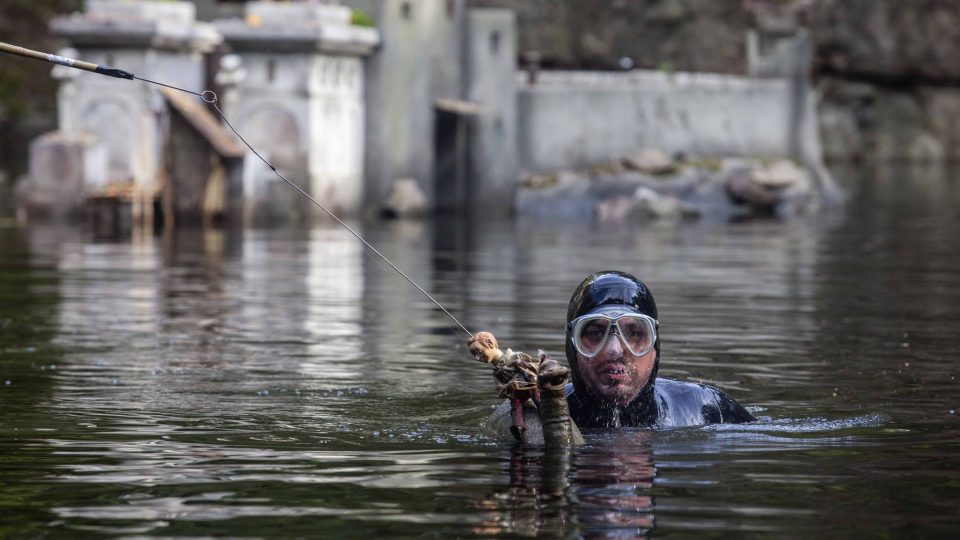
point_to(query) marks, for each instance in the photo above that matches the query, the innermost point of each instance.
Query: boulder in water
(650, 161)
(404, 200)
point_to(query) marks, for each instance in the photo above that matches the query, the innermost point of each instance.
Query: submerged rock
(718, 189)
(767, 187)
(650, 161)
(404, 200)
(644, 204)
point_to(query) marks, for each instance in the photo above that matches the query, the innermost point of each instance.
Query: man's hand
(551, 376)
(483, 346)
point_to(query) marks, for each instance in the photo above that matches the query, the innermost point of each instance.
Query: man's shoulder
(689, 403)
(674, 394)
(667, 386)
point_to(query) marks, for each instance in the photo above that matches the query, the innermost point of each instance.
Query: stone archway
(113, 123)
(275, 133)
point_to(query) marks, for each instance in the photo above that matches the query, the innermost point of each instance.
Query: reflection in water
(282, 382)
(613, 487)
(594, 491)
(333, 295)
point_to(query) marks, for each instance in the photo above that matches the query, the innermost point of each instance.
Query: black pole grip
(114, 72)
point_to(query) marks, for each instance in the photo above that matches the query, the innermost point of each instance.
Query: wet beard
(641, 412)
(608, 416)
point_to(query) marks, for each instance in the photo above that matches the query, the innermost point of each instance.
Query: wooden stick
(69, 62)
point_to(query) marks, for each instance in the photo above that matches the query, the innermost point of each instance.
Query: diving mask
(637, 332)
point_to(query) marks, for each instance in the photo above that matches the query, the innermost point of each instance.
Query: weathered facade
(441, 101)
(122, 129)
(295, 90)
(431, 94)
(417, 63)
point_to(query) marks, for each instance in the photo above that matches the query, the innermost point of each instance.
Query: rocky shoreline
(649, 185)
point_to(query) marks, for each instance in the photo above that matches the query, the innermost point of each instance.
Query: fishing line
(210, 97)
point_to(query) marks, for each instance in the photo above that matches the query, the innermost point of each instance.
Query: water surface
(282, 383)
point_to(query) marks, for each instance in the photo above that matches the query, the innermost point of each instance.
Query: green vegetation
(710, 164)
(540, 181)
(605, 168)
(26, 86)
(358, 17)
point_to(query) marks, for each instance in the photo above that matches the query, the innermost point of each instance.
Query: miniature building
(296, 94)
(155, 40)
(435, 102)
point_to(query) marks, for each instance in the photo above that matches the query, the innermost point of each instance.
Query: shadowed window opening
(495, 42)
(405, 9)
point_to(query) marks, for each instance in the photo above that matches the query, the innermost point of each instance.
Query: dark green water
(283, 384)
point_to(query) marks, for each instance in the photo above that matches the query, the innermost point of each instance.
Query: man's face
(615, 374)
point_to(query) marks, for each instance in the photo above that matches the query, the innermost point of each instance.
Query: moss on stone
(358, 17)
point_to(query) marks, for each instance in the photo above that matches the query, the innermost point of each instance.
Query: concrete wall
(574, 119)
(418, 61)
(491, 49)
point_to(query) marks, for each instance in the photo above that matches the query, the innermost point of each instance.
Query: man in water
(613, 350)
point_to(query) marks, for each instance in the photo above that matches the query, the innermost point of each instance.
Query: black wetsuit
(666, 403)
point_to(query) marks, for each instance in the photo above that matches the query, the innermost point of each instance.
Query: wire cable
(210, 97)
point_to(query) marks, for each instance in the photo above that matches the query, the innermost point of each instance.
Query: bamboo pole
(63, 61)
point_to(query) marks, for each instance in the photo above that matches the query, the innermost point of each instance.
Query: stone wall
(491, 84)
(576, 119)
(887, 71)
(418, 62)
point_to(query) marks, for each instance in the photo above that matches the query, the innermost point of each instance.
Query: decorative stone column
(297, 97)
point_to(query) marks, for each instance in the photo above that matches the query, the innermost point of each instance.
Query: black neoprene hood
(611, 288)
(608, 288)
